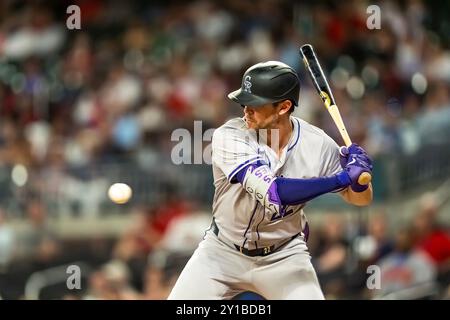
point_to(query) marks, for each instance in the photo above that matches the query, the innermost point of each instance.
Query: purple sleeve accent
(298, 136)
(274, 197)
(306, 232)
(296, 191)
(239, 176)
(242, 168)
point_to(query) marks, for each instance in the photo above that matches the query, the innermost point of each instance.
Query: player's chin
(251, 124)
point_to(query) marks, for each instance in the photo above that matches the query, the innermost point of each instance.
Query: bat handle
(364, 178)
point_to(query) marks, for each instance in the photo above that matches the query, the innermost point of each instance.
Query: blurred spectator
(7, 242)
(173, 207)
(37, 243)
(376, 244)
(185, 232)
(111, 282)
(330, 256)
(157, 282)
(138, 240)
(134, 245)
(406, 273)
(367, 250)
(432, 238)
(37, 34)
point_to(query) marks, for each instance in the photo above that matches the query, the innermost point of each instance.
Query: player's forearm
(296, 191)
(363, 198)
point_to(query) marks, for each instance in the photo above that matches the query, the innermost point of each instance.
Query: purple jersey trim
(298, 136)
(239, 167)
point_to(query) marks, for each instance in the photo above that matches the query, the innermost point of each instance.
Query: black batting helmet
(267, 82)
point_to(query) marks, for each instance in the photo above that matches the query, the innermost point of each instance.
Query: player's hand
(353, 149)
(356, 165)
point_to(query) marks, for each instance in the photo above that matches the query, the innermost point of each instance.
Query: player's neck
(282, 132)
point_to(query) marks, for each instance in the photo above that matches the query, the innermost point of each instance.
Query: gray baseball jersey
(309, 153)
(241, 221)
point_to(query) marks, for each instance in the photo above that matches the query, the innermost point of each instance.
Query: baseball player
(267, 166)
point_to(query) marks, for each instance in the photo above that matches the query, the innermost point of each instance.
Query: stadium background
(82, 109)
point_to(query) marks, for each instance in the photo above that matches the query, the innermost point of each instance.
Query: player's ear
(285, 106)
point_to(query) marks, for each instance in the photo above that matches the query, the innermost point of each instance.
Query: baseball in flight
(120, 193)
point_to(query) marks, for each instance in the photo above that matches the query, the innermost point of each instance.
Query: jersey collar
(295, 134)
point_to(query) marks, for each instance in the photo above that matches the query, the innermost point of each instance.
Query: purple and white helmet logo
(247, 84)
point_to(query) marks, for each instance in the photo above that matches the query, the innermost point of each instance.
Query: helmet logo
(247, 84)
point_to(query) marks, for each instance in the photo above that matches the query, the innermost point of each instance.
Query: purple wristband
(343, 179)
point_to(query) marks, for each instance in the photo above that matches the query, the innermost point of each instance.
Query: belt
(264, 251)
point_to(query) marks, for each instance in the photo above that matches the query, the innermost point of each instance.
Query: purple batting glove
(365, 160)
(358, 150)
(354, 168)
(355, 150)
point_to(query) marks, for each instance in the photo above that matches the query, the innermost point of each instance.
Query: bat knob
(343, 151)
(364, 178)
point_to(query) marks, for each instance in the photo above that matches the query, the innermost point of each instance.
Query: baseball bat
(321, 84)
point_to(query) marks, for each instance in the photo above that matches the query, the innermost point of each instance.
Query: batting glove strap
(343, 179)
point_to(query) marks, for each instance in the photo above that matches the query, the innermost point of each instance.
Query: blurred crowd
(355, 257)
(80, 108)
(370, 259)
(74, 101)
(141, 263)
